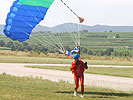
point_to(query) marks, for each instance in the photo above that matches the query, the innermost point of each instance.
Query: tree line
(109, 52)
(24, 46)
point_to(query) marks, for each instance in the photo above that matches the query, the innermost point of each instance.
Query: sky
(104, 12)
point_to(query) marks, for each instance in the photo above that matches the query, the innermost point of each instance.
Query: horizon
(81, 25)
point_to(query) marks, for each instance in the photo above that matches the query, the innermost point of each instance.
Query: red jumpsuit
(78, 71)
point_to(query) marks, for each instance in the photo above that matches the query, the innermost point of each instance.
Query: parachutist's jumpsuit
(78, 71)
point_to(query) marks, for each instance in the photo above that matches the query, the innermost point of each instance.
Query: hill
(1, 29)
(69, 27)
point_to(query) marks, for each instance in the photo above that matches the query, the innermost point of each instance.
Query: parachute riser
(78, 50)
(68, 56)
(80, 18)
(69, 8)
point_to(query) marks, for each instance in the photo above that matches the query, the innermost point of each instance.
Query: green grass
(25, 88)
(45, 60)
(39, 60)
(121, 72)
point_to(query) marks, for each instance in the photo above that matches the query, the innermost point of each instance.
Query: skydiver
(77, 68)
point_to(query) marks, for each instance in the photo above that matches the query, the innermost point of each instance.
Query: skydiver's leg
(82, 84)
(76, 79)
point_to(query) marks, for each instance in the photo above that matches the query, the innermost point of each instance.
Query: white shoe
(81, 96)
(75, 93)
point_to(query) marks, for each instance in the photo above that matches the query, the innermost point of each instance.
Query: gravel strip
(112, 82)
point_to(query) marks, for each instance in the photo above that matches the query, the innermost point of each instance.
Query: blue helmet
(76, 55)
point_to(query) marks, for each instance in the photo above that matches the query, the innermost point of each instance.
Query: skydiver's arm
(73, 66)
(85, 65)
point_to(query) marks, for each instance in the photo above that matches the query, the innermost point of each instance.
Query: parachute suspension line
(61, 40)
(77, 38)
(36, 38)
(42, 42)
(60, 47)
(78, 35)
(74, 38)
(54, 47)
(68, 56)
(45, 45)
(28, 25)
(42, 17)
(56, 39)
(55, 42)
(79, 27)
(39, 40)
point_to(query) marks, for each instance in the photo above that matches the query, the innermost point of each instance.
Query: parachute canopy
(24, 15)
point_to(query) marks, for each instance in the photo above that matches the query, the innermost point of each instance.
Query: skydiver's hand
(76, 62)
(85, 63)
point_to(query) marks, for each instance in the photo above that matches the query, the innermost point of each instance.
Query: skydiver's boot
(82, 96)
(75, 93)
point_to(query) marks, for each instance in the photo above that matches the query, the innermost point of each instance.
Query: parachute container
(24, 15)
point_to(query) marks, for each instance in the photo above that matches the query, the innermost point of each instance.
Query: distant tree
(90, 52)
(13, 48)
(110, 31)
(2, 43)
(44, 49)
(115, 53)
(35, 48)
(108, 51)
(85, 50)
(19, 48)
(51, 51)
(25, 43)
(9, 44)
(84, 31)
(67, 48)
(120, 54)
(126, 53)
(101, 53)
(117, 36)
(47, 32)
(29, 48)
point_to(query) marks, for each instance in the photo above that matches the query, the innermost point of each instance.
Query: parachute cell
(24, 15)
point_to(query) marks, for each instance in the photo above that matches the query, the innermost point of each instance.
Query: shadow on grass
(100, 93)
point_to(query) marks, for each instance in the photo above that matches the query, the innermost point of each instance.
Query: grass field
(39, 60)
(25, 88)
(121, 72)
(45, 60)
